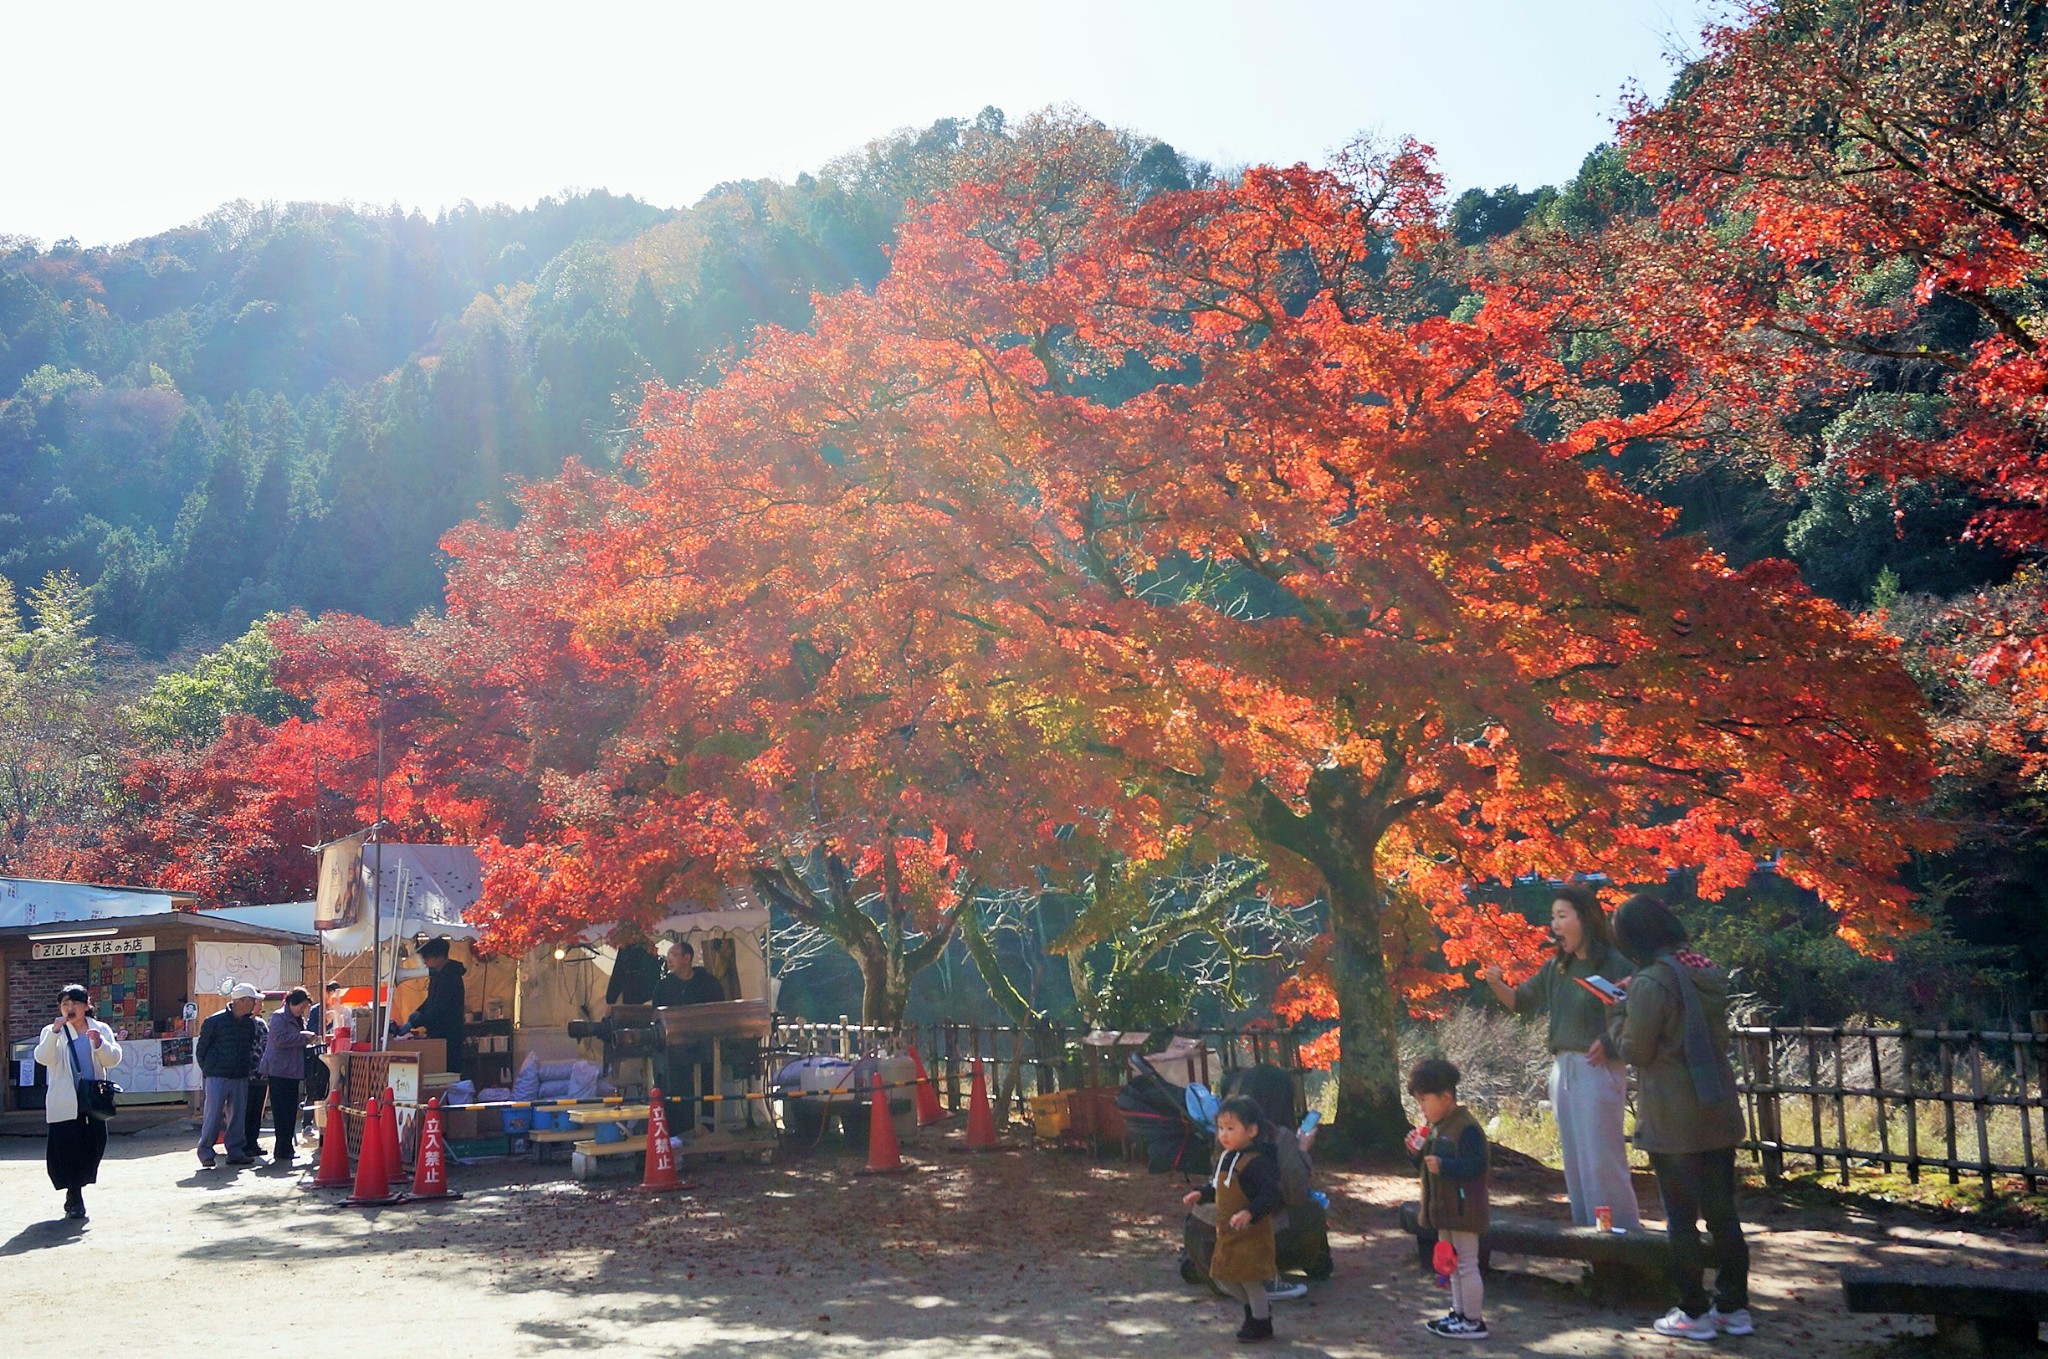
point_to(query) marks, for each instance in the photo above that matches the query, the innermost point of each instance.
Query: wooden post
(1948, 1104)
(953, 1066)
(2022, 1047)
(1841, 1112)
(1770, 1127)
(1884, 1131)
(1912, 1106)
(1983, 1115)
(1813, 1096)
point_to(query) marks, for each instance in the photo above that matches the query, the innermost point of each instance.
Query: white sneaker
(1731, 1323)
(1683, 1325)
(1283, 1289)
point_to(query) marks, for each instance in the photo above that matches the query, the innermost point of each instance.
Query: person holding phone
(1588, 1086)
(75, 1048)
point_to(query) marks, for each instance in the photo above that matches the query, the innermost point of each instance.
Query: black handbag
(95, 1096)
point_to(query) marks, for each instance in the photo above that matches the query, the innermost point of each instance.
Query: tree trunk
(885, 988)
(1370, 1115)
(1340, 836)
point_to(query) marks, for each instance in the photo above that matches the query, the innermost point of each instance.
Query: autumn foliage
(1162, 528)
(1180, 526)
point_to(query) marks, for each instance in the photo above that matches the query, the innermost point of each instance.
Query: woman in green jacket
(1588, 1087)
(1673, 1030)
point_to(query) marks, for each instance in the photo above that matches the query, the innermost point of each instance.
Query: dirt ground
(1019, 1254)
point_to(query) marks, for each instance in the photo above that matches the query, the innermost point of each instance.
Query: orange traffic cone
(981, 1121)
(394, 1170)
(884, 1156)
(372, 1185)
(928, 1110)
(430, 1159)
(660, 1175)
(333, 1151)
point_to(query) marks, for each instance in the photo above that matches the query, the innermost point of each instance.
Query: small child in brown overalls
(1246, 1191)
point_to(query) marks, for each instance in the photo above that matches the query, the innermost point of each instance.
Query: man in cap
(226, 1055)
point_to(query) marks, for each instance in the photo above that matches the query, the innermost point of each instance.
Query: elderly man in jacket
(226, 1053)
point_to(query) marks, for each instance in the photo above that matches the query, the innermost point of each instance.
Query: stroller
(1301, 1229)
(1156, 1116)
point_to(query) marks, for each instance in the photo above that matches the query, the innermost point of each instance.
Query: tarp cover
(35, 901)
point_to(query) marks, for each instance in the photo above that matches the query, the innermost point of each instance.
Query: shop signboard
(93, 948)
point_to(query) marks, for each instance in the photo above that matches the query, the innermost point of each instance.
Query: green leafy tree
(186, 707)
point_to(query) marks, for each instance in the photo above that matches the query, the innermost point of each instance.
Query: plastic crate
(476, 1148)
(1051, 1115)
(517, 1119)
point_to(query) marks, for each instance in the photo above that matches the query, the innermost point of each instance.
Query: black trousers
(73, 1156)
(252, 1117)
(1696, 1185)
(284, 1117)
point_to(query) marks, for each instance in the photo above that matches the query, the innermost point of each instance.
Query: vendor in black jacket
(682, 982)
(442, 1013)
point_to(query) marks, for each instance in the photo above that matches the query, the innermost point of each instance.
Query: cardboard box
(459, 1124)
(433, 1052)
(489, 1123)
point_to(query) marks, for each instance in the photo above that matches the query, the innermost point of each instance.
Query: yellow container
(1050, 1116)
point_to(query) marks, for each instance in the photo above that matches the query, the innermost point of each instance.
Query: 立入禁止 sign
(92, 948)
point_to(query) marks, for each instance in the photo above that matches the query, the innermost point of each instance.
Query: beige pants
(1468, 1292)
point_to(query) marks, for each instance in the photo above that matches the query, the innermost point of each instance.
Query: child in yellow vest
(1246, 1191)
(1452, 1154)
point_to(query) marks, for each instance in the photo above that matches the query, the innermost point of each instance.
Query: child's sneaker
(1280, 1290)
(1463, 1328)
(1435, 1325)
(1685, 1326)
(1731, 1323)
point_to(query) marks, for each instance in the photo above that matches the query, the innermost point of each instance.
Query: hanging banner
(339, 900)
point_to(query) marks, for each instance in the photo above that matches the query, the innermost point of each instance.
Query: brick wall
(32, 986)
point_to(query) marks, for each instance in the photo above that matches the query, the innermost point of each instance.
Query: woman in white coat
(77, 1047)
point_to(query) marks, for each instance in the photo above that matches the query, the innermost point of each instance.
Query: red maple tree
(1839, 266)
(1178, 527)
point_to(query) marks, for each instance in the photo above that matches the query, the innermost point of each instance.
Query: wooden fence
(1968, 1103)
(1020, 1063)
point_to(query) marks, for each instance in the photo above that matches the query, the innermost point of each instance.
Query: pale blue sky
(127, 119)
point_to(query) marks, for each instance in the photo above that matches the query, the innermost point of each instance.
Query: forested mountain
(286, 406)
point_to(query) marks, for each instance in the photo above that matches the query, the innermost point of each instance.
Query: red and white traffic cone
(430, 1160)
(394, 1167)
(981, 1120)
(884, 1156)
(660, 1176)
(333, 1151)
(928, 1110)
(373, 1186)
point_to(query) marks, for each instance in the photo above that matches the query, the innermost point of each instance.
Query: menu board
(120, 987)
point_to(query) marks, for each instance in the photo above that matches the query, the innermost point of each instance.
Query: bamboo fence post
(953, 1066)
(1884, 1132)
(1912, 1107)
(1770, 1125)
(1841, 1111)
(2021, 1049)
(1982, 1114)
(1948, 1105)
(1820, 1165)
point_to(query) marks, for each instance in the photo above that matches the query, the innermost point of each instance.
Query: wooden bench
(587, 1156)
(1625, 1265)
(1975, 1311)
